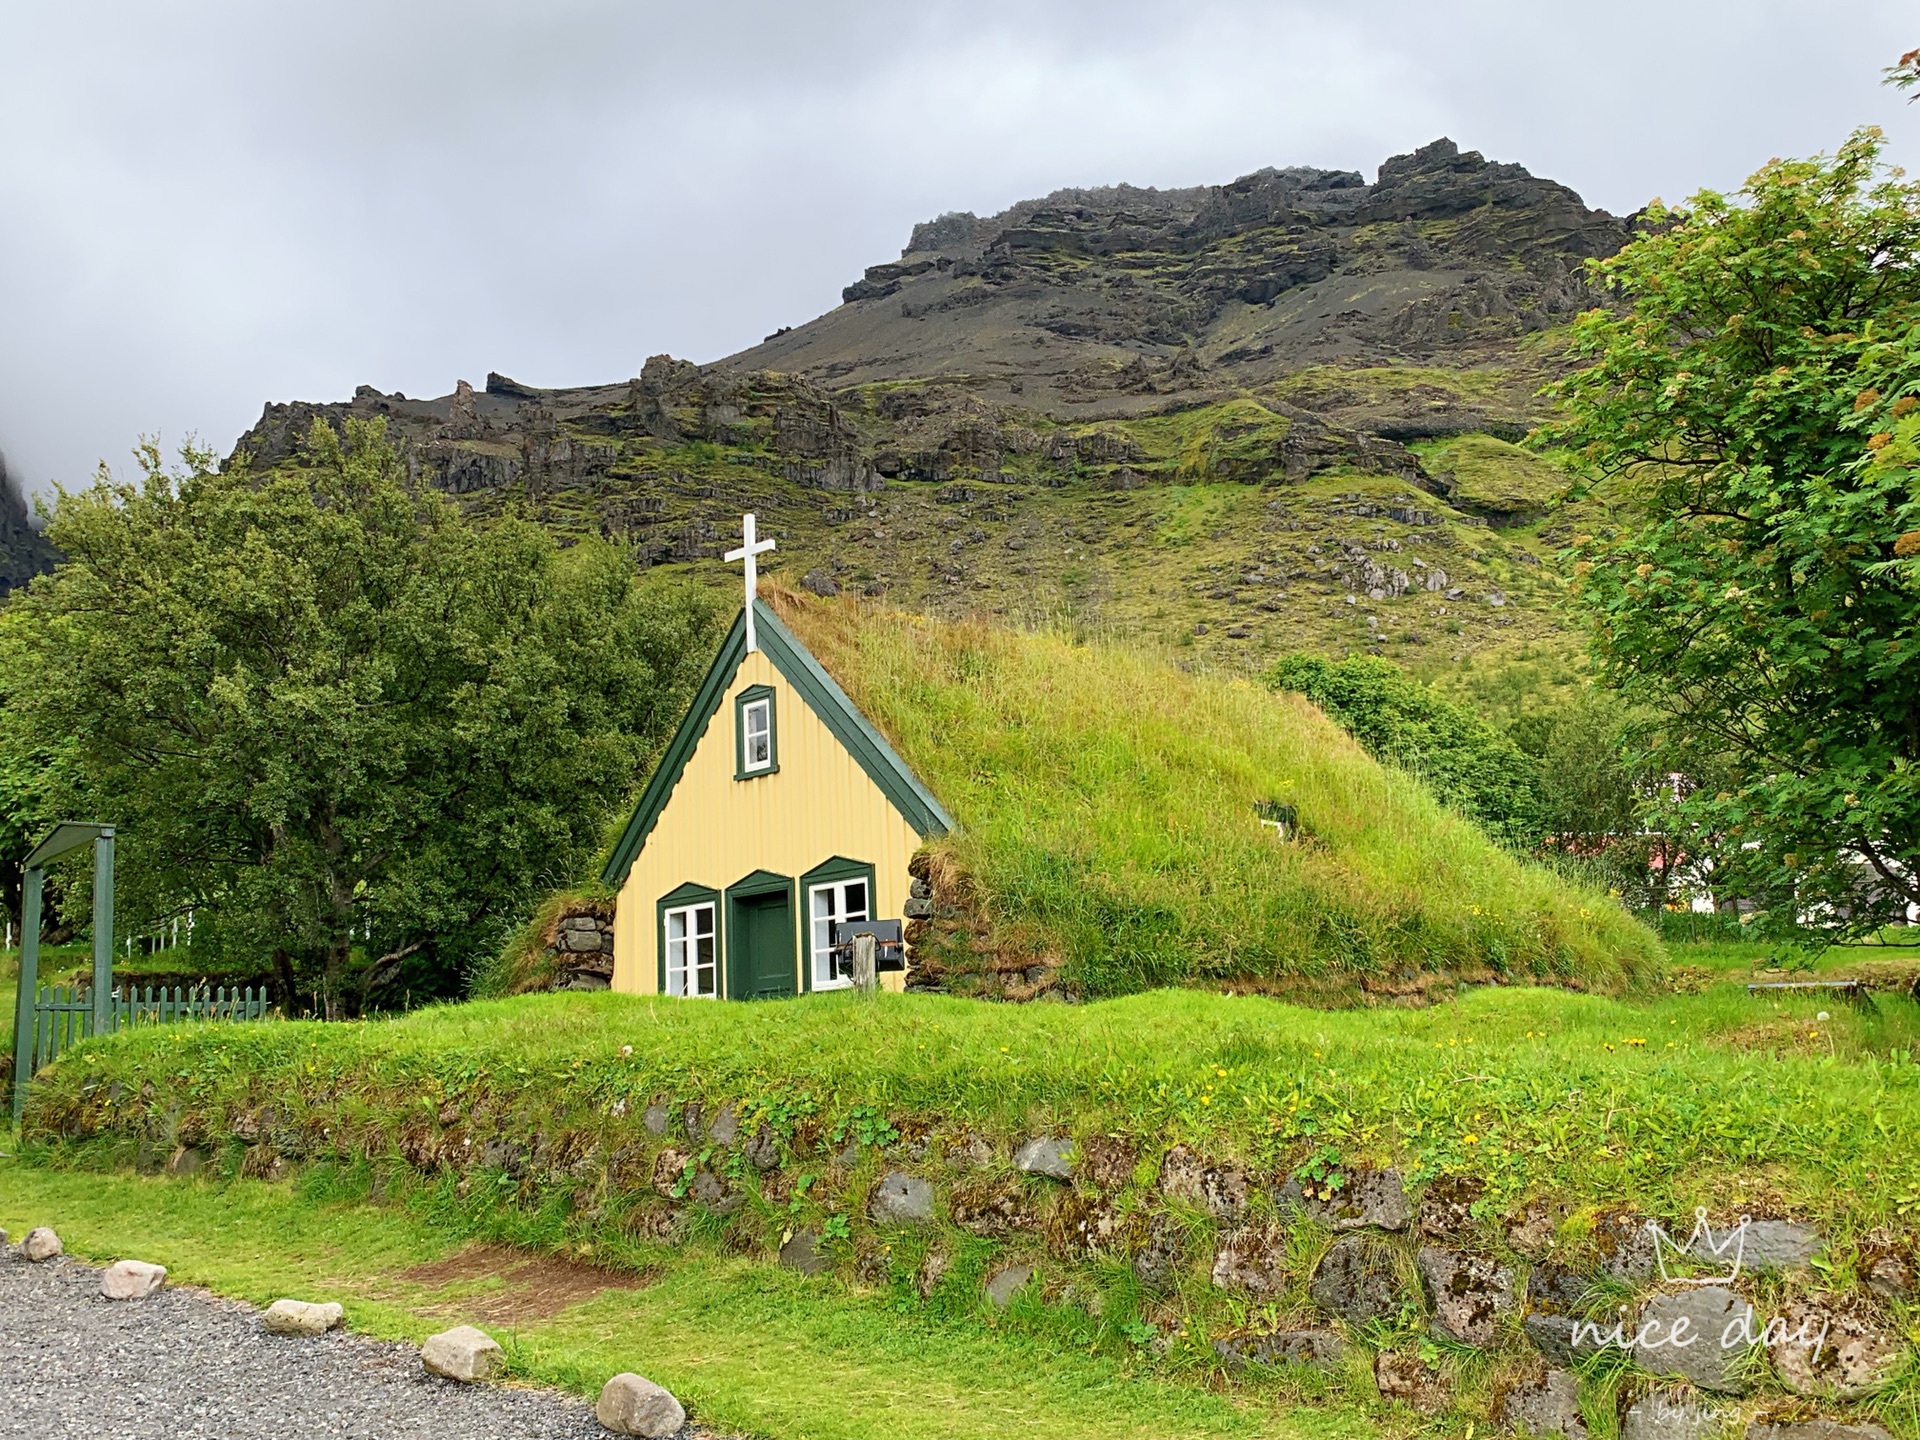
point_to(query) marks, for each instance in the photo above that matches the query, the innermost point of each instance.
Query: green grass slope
(1109, 831)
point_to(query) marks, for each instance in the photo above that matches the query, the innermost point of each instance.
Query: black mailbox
(889, 951)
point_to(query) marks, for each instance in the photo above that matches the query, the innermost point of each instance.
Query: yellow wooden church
(777, 812)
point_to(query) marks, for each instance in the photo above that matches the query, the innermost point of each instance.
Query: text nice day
(1774, 1333)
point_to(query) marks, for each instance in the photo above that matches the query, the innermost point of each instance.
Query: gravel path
(185, 1364)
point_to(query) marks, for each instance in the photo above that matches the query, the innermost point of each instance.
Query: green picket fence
(63, 1014)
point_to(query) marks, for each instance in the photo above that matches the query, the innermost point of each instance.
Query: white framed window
(835, 903)
(756, 735)
(693, 966)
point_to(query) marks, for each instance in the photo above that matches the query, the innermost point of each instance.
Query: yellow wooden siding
(716, 830)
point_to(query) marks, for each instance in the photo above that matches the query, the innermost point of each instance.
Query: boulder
(1047, 1155)
(187, 1160)
(131, 1279)
(1556, 1288)
(1469, 1293)
(1762, 1245)
(1107, 1160)
(631, 1404)
(901, 1199)
(1252, 1259)
(1815, 1430)
(1157, 1265)
(40, 1244)
(656, 1117)
(1409, 1380)
(1375, 1199)
(1627, 1250)
(1828, 1352)
(1561, 1338)
(1547, 1406)
(1357, 1281)
(462, 1353)
(1220, 1190)
(301, 1317)
(1655, 1417)
(1321, 1349)
(802, 1252)
(1007, 1282)
(763, 1149)
(724, 1128)
(1700, 1334)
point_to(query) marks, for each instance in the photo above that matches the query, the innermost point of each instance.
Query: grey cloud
(205, 206)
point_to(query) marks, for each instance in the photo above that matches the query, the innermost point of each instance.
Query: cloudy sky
(204, 206)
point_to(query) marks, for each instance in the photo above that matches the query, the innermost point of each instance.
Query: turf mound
(1127, 825)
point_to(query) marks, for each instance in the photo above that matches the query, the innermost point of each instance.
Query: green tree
(1756, 393)
(350, 729)
(1465, 761)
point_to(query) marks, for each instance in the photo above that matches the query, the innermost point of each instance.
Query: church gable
(754, 724)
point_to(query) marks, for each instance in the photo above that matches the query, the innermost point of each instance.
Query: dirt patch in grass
(532, 1287)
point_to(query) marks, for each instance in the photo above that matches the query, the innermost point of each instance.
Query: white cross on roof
(747, 551)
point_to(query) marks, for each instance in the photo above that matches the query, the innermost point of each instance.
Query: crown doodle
(1700, 1246)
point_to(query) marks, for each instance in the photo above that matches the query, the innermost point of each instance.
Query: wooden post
(103, 930)
(26, 997)
(865, 975)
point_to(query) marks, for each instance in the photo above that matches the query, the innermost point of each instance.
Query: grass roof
(1108, 826)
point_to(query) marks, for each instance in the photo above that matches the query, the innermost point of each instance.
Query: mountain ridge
(1109, 403)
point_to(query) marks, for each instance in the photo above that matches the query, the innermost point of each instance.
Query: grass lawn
(523, 1122)
(747, 1347)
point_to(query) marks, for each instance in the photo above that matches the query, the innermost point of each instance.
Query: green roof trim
(797, 665)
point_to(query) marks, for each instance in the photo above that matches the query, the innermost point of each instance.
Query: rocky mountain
(1253, 417)
(24, 551)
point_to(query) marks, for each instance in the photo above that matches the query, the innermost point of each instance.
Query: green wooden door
(762, 945)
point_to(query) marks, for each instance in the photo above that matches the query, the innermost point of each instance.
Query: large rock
(462, 1353)
(901, 1199)
(40, 1244)
(1557, 1288)
(1469, 1293)
(1047, 1155)
(1815, 1430)
(1321, 1349)
(1007, 1282)
(1763, 1245)
(1157, 1266)
(725, 1126)
(1842, 1354)
(1446, 1210)
(1547, 1406)
(1220, 1190)
(1357, 1281)
(301, 1317)
(631, 1404)
(1701, 1335)
(1374, 1199)
(1562, 1339)
(1627, 1248)
(1253, 1259)
(802, 1252)
(1890, 1277)
(1656, 1417)
(763, 1150)
(131, 1279)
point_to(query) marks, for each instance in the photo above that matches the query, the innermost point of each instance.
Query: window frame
(689, 898)
(837, 871)
(754, 695)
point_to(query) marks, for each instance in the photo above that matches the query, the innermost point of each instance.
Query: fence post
(25, 1009)
(102, 926)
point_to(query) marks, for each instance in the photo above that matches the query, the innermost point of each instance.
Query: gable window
(756, 743)
(691, 953)
(835, 902)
